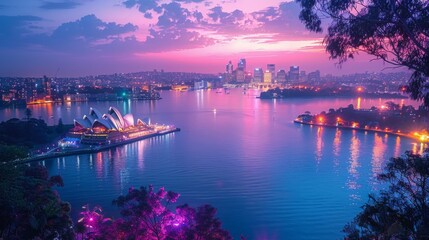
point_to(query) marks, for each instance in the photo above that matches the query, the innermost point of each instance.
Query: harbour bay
(268, 177)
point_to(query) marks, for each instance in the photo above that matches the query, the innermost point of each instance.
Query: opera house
(111, 127)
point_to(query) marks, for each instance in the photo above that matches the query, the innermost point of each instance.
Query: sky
(91, 37)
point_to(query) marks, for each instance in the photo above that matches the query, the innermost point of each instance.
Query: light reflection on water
(268, 177)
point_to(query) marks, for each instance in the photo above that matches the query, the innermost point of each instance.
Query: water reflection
(378, 153)
(140, 154)
(352, 183)
(359, 100)
(336, 148)
(261, 171)
(397, 152)
(319, 144)
(418, 148)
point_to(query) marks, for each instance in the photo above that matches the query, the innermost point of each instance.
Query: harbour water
(268, 177)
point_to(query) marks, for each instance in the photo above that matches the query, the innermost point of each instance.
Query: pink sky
(108, 36)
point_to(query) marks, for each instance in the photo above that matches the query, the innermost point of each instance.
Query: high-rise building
(281, 76)
(268, 77)
(294, 74)
(258, 75)
(229, 71)
(229, 68)
(302, 76)
(242, 64)
(47, 86)
(272, 69)
(314, 76)
(239, 75)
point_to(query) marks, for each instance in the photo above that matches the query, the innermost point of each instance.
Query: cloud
(177, 28)
(177, 39)
(88, 33)
(143, 5)
(283, 20)
(15, 29)
(59, 5)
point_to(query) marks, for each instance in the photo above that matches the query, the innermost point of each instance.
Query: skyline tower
(47, 86)
(258, 75)
(272, 69)
(229, 71)
(294, 73)
(242, 64)
(229, 67)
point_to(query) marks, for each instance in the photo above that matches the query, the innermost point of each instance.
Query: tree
(29, 207)
(149, 214)
(60, 126)
(401, 211)
(28, 113)
(395, 31)
(10, 153)
(91, 223)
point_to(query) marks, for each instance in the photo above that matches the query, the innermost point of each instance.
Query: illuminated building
(314, 76)
(258, 75)
(242, 64)
(99, 129)
(272, 69)
(229, 71)
(294, 74)
(239, 75)
(268, 76)
(281, 76)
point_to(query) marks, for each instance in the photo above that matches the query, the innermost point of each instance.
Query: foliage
(29, 207)
(395, 31)
(401, 211)
(27, 133)
(149, 214)
(9, 153)
(28, 113)
(60, 127)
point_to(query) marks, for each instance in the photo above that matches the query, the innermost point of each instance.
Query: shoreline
(410, 136)
(89, 149)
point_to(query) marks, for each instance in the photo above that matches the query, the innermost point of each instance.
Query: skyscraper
(47, 86)
(228, 71)
(242, 64)
(229, 68)
(294, 74)
(272, 69)
(258, 75)
(268, 77)
(281, 76)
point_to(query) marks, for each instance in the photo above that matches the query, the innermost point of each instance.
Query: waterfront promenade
(414, 136)
(86, 149)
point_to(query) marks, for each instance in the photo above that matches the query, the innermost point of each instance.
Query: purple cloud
(143, 5)
(176, 29)
(15, 29)
(59, 5)
(282, 21)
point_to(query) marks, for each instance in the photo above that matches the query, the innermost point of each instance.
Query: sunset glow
(98, 37)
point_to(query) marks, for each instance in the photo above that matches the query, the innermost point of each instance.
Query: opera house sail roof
(112, 120)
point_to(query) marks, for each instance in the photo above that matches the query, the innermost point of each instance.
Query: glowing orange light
(320, 119)
(360, 89)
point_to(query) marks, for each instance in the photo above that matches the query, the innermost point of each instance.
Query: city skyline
(80, 38)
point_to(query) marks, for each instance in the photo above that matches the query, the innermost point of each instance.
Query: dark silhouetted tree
(395, 31)
(28, 113)
(29, 207)
(149, 214)
(60, 126)
(401, 211)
